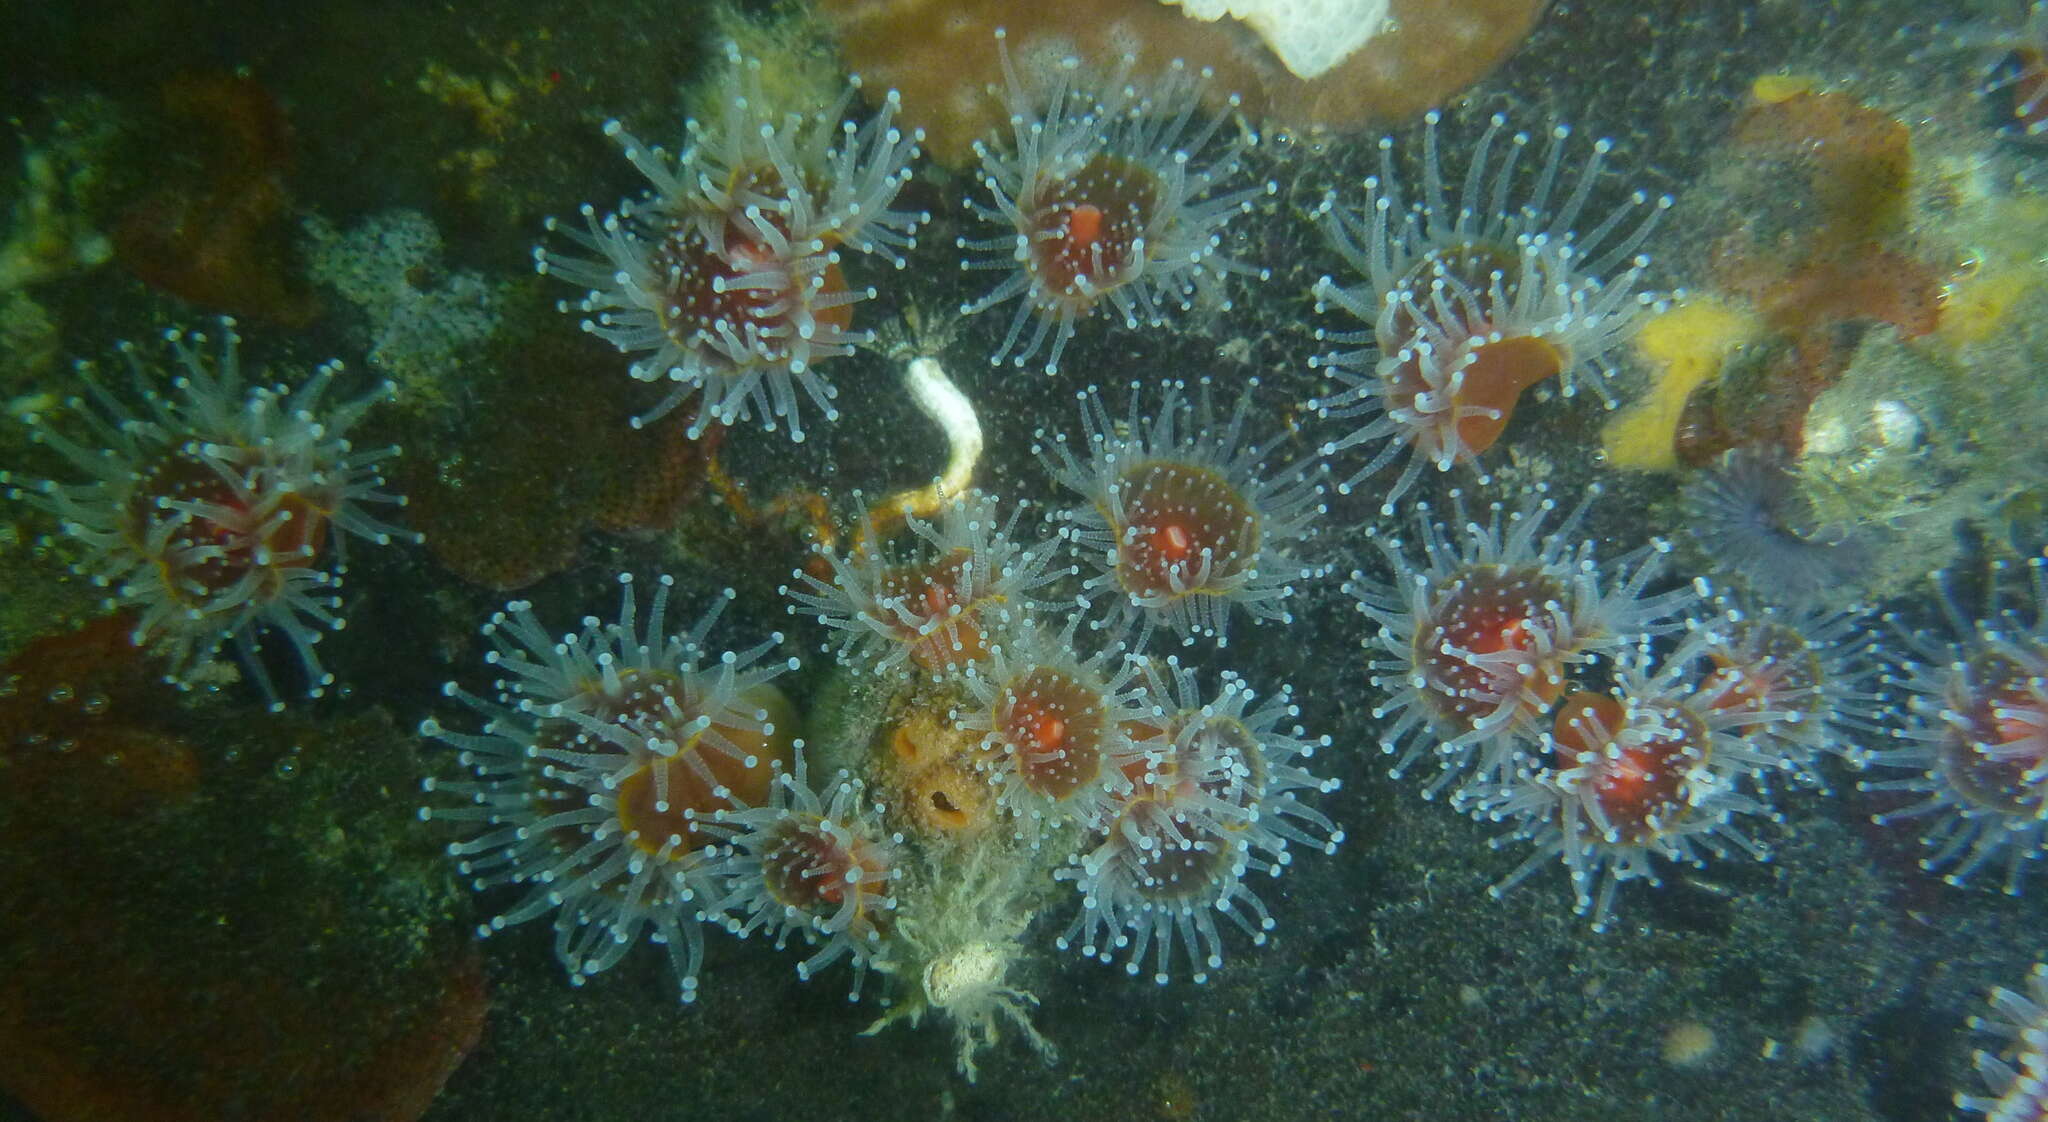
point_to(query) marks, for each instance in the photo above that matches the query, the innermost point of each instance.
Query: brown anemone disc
(941, 55)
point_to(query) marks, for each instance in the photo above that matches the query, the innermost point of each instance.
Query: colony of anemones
(1473, 643)
(629, 782)
(1061, 750)
(1535, 677)
(1650, 771)
(1616, 730)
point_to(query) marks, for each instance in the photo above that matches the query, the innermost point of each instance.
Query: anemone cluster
(1050, 716)
(1174, 794)
(1530, 679)
(635, 783)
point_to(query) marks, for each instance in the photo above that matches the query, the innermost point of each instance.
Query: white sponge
(1310, 36)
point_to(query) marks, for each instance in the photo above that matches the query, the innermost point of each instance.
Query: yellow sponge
(1684, 348)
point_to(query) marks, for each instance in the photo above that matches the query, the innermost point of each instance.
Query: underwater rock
(307, 975)
(76, 696)
(545, 453)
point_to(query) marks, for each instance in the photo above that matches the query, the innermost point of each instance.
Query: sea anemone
(600, 762)
(1056, 729)
(1979, 737)
(1182, 518)
(1748, 517)
(818, 865)
(216, 510)
(1474, 299)
(726, 278)
(1108, 192)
